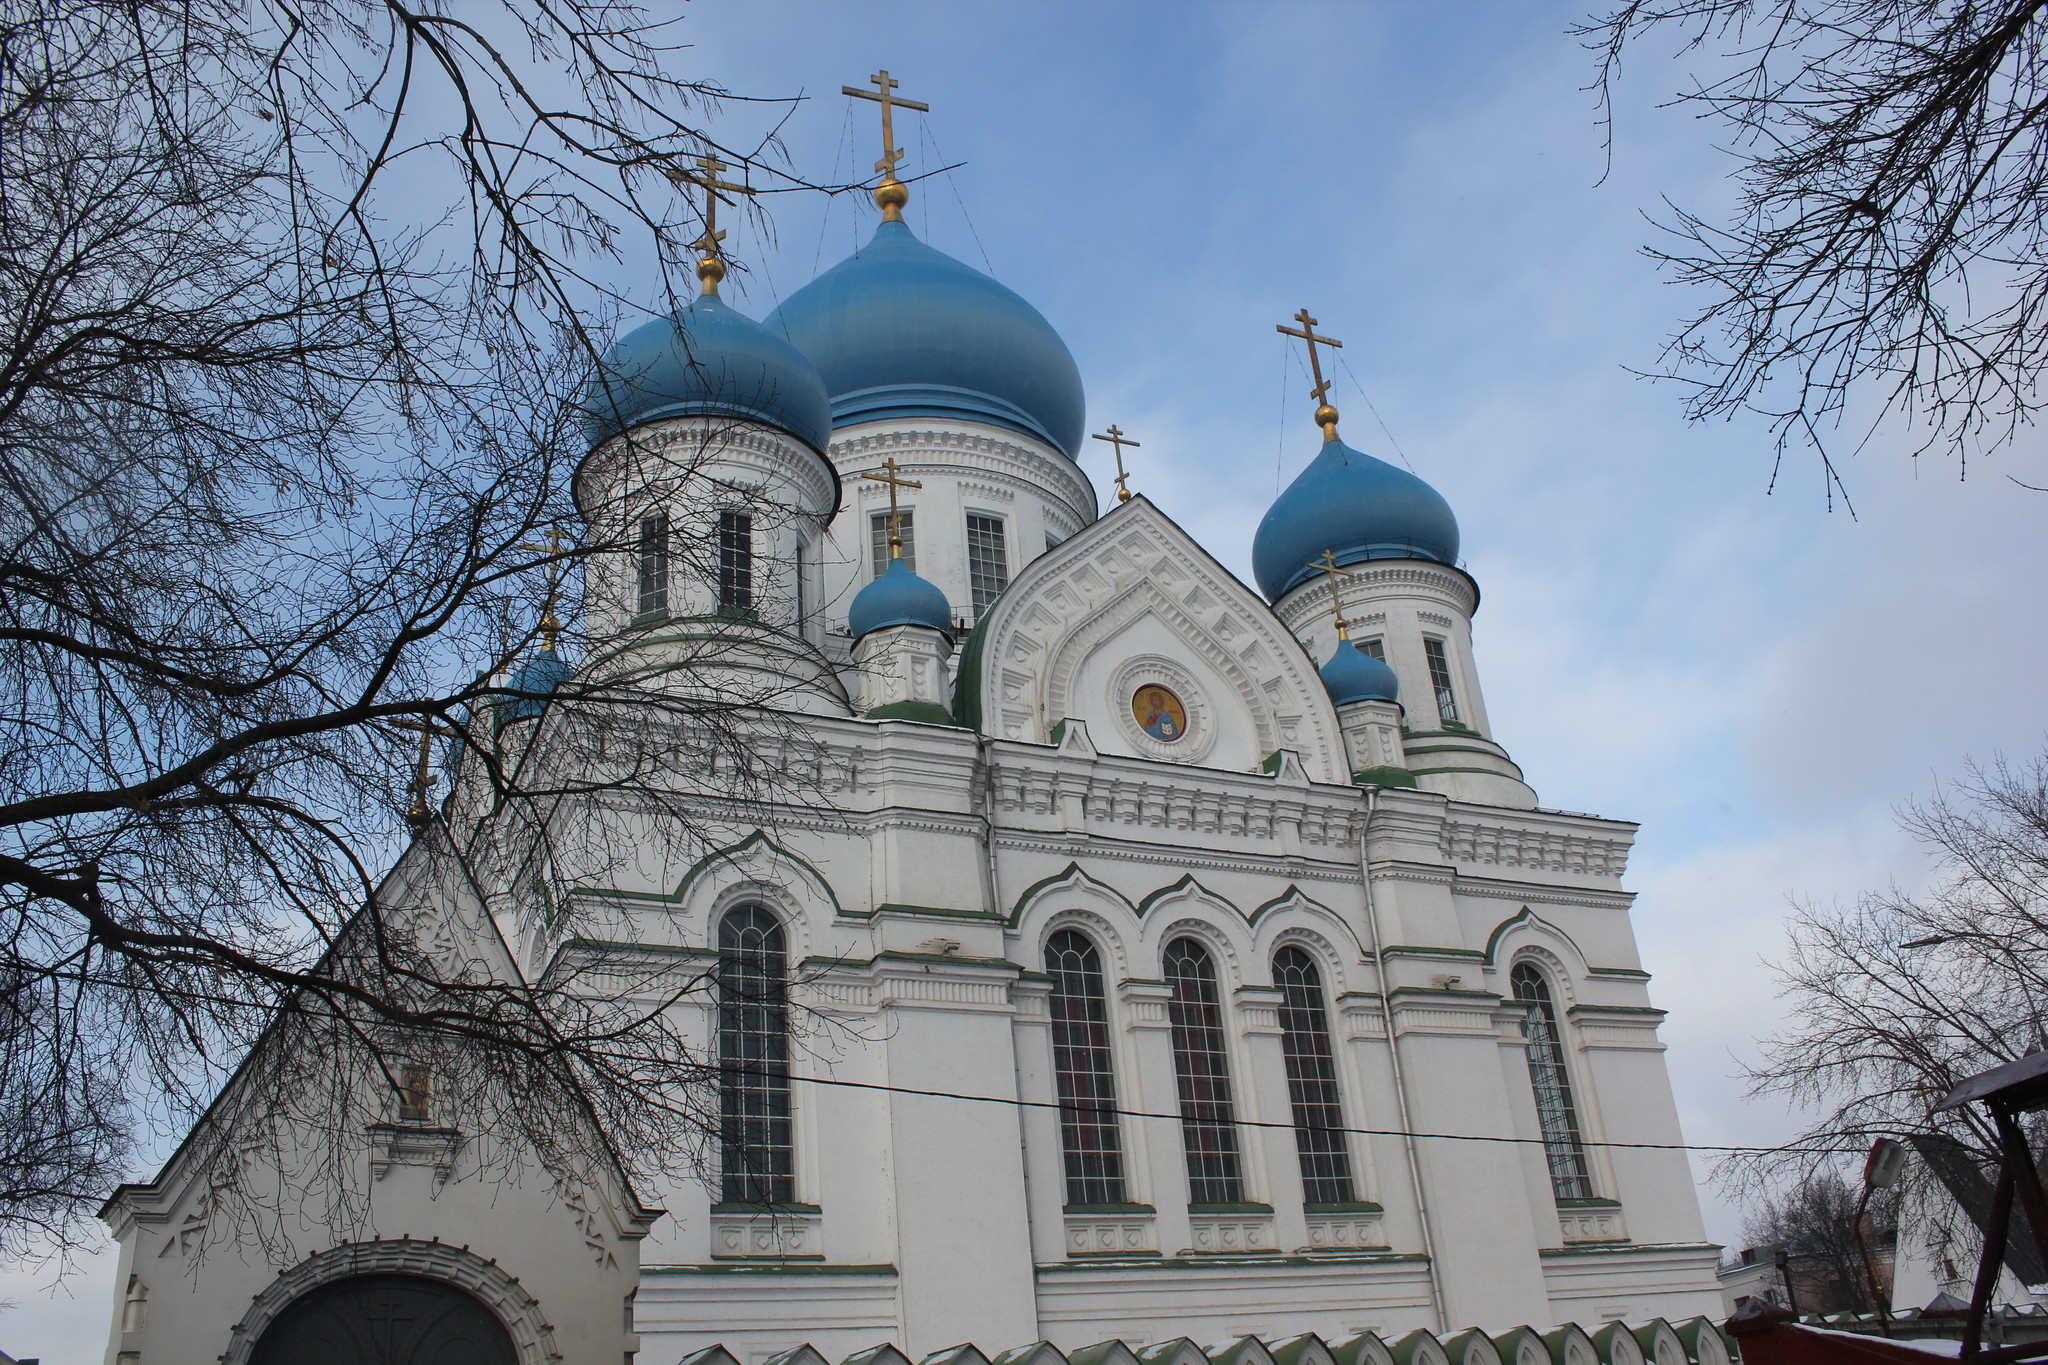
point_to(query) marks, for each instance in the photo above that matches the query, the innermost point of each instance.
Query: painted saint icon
(1159, 713)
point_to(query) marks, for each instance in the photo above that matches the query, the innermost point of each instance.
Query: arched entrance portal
(385, 1320)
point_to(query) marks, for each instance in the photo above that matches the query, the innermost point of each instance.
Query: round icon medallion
(1159, 713)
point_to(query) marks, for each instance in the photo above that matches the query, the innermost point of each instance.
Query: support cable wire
(1364, 397)
(952, 183)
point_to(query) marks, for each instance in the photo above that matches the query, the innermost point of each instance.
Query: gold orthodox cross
(1327, 565)
(895, 481)
(550, 627)
(1119, 440)
(423, 777)
(711, 266)
(1326, 416)
(891, 196)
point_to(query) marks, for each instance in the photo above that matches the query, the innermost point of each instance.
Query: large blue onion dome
(1357, 508)
(526, 696)
(900, 329)
(898, 598)
(706, 360)
(1354, 675)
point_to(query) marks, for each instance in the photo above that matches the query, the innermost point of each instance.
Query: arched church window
(756, 1155)
(1202, 1068)
(651, 563)
(1559, 1117)
(1089, 1136)
(1312, 1080)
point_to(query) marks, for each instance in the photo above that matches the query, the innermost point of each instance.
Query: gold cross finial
(550, 627)
(423, 778)
(895, 481)
(711, 265)
(1328, 565)
(1119, 440)
(1326, 416)
(891, 195)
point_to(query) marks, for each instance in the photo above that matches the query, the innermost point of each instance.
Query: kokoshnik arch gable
(1095, 826)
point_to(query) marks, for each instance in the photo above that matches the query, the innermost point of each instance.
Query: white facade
(917, 877)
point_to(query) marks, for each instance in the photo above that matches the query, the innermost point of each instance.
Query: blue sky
(1756, 679)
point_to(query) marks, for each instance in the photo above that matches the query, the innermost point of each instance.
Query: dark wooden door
(386, 1320)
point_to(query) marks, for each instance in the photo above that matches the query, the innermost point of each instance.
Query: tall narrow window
(1207, 1123)
(756, 1157)
(988, 560)
(803, 575)
(1440, 678)
(1312, 1080)
(735, 559)
(651, 561)
(878, 539)
(1559, 1118)
(1080, 1060)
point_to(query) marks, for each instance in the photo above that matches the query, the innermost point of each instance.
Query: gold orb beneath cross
(891, 194)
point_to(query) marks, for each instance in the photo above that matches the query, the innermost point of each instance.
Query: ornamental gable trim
(1135, 582)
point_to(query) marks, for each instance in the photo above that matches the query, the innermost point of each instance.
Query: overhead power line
(1804, 1147)
(1816, 1147)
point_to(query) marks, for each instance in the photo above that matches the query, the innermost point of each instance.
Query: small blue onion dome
(1354, 675)
(1357, 508)
(898, 598)
(900, 329)
(531, 687)
(706, 360)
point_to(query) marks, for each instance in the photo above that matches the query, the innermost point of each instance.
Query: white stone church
(1246, 933)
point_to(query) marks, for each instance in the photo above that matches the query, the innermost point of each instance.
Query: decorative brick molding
(787, 1234)
(1110, 1234)
(1592, 1220)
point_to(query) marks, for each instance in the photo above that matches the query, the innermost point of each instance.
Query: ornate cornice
(973, 455)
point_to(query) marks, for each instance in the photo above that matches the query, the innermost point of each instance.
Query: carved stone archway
(533, 1340)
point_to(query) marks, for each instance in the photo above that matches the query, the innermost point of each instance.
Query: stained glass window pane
(988, 560)
(735, 559)
(756, 1153)
(1202, 1067)
(1440, 678)
(1555, 1112)
(1312, 1080)
(878, 540)
(1089, 1136)
(652, 563)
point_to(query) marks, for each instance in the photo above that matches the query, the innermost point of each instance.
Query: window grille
(1081, 1063)
(1375, 647)
(756, 1154)
(878, 540)
(1440, 678)
(653, 563)
(1559, 1118)
(1207, 1122)
(988, 560)
(735, 559)
(1312, 1080)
